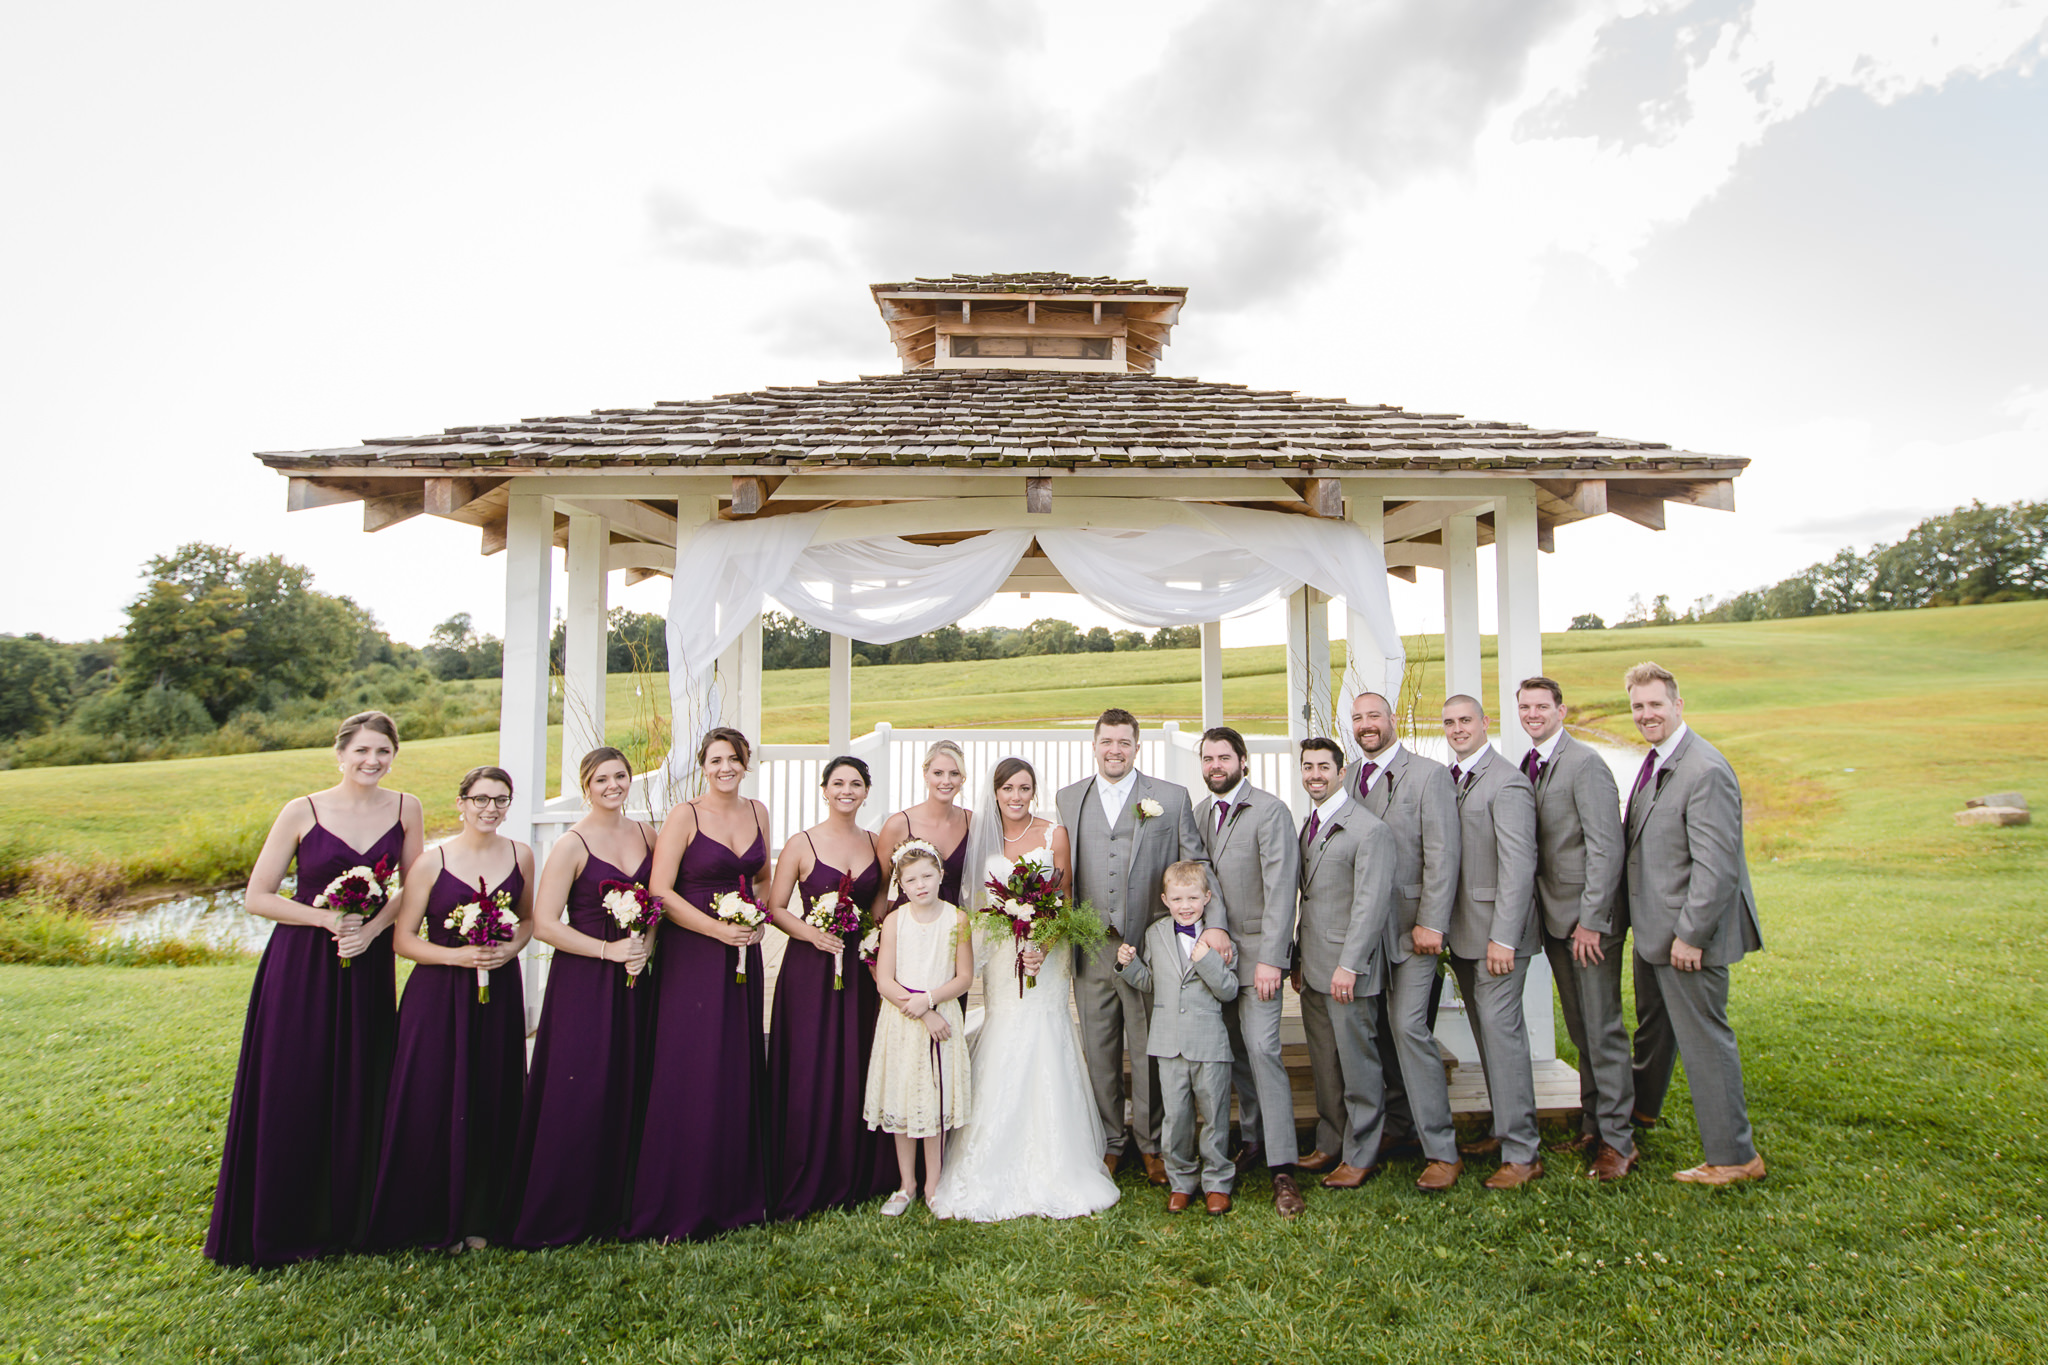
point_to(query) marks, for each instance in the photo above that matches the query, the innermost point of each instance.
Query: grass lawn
(1897, 1068)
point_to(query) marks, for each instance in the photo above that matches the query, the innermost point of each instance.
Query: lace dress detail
(915, 1085)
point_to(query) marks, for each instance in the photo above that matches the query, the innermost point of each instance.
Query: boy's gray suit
(1118, 869)
(1347, 898)
(1579, 851)
(1497, 904)
(1191, 1045)
(1255, 858)
(1686, 877)
(1415, 800)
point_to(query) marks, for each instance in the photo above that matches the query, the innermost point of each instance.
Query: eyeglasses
(501, 802)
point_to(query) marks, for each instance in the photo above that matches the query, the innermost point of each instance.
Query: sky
(1798, 231)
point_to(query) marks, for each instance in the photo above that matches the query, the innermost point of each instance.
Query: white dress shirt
(1229, 798)
(1115, 795)
(1665, 750)
(1549, 746)
(1385, 761)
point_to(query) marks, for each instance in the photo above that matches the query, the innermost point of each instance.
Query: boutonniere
(1148, 809)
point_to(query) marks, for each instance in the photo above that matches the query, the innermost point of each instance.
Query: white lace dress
(1033, 1143)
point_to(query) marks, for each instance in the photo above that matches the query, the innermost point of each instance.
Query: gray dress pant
(1590, 999)
(1116, 1018)
(1685, 1014)
(1194, 1105)
(1413, 1043)
(1350, 1094)
(1265, 1100)
(1494, 1005)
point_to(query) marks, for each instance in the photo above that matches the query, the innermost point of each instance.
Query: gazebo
(1028, 444)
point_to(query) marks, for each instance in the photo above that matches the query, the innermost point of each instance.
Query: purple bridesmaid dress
(300, 1155)
(572, 1165)
(455, 1091)
(824, 1156)
(951, 869)
(703, 1166)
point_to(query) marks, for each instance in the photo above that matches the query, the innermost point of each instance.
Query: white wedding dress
(1032, 1146)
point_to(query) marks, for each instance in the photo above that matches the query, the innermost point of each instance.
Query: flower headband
(914, 848)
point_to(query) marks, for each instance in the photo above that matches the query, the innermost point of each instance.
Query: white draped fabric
(1204, 564)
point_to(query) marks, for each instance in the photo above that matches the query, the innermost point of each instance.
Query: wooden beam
(379, 513)
(1546, 535)
(1404, 572)
(446, 497)
(1641, 510)
(750, 492)
(1717, 494)
(1585, 496)
(642, 575)
(1037, 493)
(302, 494)
(626, 515)
(1424, 514)
(1325, 498)
(493, 537)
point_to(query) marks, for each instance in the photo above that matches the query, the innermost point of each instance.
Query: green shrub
(34, 929)
(84, 888)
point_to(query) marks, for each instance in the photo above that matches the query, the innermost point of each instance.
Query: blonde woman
(936, 820)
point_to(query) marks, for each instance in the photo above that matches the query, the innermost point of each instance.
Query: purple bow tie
(1191, 930)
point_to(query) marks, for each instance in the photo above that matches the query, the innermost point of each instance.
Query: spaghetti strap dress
(300, 1155)
(823, 1156)
(453, 1112)
(572, 1164)
(951, 868)
(703, 1165)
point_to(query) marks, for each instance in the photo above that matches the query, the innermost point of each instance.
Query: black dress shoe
(1407, 1149)
(1250, 1157)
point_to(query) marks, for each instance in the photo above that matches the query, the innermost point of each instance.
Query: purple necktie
(1365, 778)
(1456, 775)
(1315, 822)
(1531, 766)
(1222, 810)
(1643, 777)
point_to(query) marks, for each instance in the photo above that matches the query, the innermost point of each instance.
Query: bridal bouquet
(835, 913)
(1028, 906)
(870, 942)
(633, 908)
(361, 891)
(483, 921)
(739, 907)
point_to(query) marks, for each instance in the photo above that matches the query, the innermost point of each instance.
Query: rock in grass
(1993, 815)
(2012, 800)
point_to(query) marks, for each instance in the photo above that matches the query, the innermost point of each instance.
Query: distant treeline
(1971, 555)
(789, 643)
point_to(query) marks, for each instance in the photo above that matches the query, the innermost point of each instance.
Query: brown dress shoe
(1316, 1162)
(1155, 1170)
(1513, 1175)
(1609, 1165)
(1110, 1163)
(1641, 1120)
(1753, 1169)
(1218, 1202)
(1287, 1198)
(1584, 1142)
(1347, 1177)
(1439, 1176)
(1249, 1156)
(1486, 1146)
(1178, 1202)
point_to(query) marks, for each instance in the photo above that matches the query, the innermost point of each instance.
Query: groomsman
(1493, 930)
(1127, 829)
(1694, 915)
(1579, 845)
(1413, 796)
(1250, 838)
(1347, 896)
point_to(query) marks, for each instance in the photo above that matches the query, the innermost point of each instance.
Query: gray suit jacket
(1258, 865)
(1496, 861)
(1579, 840)
(1686, 876)
(1347, 899)
(1156, 844)
(1416, 802)
(1187, 997)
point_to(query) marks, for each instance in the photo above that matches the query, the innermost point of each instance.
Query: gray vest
(1102, 858)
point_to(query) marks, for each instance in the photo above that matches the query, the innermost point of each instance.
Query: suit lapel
(1640, 804)
(1218, 838)
(1564, 742)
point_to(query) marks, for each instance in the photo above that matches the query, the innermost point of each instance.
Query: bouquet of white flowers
(739, 907)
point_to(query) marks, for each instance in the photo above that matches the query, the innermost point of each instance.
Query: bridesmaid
(572, 1165)
(823, 1155)
(702, 1168)
(299, 1158)
(455, 1088)
(936, 820)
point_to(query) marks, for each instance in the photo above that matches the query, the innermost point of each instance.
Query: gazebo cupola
(1038, 320)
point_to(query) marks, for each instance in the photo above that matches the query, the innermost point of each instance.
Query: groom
(1127, 829)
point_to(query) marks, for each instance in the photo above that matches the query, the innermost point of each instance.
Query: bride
(1033, 1143)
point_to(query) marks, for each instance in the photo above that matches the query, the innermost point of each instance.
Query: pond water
(216, 919)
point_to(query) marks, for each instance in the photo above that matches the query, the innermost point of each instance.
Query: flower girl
(918, 1083)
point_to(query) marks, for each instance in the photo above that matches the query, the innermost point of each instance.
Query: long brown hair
(740, 746)
(366, 720)
(597, 758)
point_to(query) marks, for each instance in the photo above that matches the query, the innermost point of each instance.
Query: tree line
(787, 642)
(1971, 555)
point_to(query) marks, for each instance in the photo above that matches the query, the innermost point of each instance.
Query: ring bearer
(1189, 983)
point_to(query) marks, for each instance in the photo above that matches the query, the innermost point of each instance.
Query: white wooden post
(1316, 607)
(523, 692)
(839, 705)
(1366, 668)
(1461, 606)
(1299, 712)
(1521, 638)
(1212, 674)
(584, 644)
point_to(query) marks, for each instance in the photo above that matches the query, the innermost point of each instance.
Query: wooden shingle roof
(1030, 282)
(992, 418)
